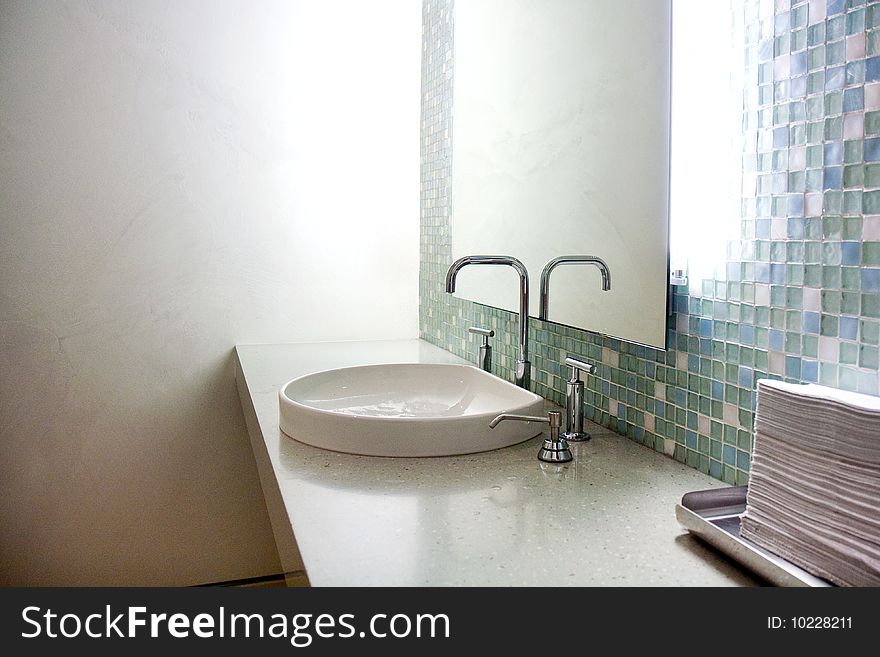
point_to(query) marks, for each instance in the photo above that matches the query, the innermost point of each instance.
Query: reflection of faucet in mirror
(522, 375)
(564, 260)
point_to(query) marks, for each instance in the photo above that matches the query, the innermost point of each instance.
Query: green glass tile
(868, 357)
(833, 103)
(831, 301)
(853, 175)
(849, 303)
(849, 353)
(810, 346)
(852, 151)
(852, 202)
(869, 331)
(828, 325)
(762, 339)
(782, 44)
(871, 253)
(871, 305)
(852, 228)
(816, 59)
(833, 202)
(871, 202)
(831, 277)
(872, 45)
(828, 374)
(834, 128)
(850, 279)
(872, 123)
(812, 252)
(792, 342)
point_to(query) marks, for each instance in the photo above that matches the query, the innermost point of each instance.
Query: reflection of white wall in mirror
(705, 172)
(561, 116)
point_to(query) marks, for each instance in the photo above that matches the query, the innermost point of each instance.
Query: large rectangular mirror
(561, 147)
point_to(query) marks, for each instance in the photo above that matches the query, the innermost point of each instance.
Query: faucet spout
(522, 376)
(566, 260)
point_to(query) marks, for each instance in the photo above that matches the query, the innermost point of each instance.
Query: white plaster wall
(176, 178)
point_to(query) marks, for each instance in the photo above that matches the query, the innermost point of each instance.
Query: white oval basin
(406, 409)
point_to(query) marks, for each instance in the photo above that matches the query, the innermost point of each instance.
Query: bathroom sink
(406, 409)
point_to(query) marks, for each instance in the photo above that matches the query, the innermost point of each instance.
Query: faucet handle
(555, 448)
(486, 333)
(578, 366)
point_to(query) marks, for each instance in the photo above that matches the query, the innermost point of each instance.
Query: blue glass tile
(693, 365)
(811, 322)
(835, 78)
(783, 21)
(853, 99)
(814, 180)
(717, 390)
(795, 228)
(692, 421)
(762, 229)
(746, 334)
(729, 454)
(765, 50)
(851, 253)
(870, 280)
(855, 72)
(799, 87)
(793, 367)
(706, 328)
(872, 69)
(705, 346)
(762, 269)
(650, 369)
(810, 371)
(690, 438)
(872, 150)
(659, 408)
(680, 397)
(715, 469)
(833, 153)
(777, 273)
(745, 376)
(834, 7)
(780, 137)
(848, 327)
(833, 178)
(777, 339)
(797, 64)
(795, 205)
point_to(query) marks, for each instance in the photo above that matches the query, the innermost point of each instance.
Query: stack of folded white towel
(814, 488)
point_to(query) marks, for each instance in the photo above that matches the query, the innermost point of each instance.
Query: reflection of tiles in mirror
(800, 294)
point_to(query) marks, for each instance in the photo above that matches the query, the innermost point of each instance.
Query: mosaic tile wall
(798, 298)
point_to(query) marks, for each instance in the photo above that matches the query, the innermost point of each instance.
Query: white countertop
(492, 519)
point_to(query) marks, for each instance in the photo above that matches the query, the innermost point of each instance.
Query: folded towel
(814, 487)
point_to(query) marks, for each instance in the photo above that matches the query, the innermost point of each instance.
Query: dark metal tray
(714, 516)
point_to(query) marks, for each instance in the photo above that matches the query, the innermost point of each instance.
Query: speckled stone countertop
(493, 519)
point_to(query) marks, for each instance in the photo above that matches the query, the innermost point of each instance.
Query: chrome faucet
(565, 260)
(522, 376)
